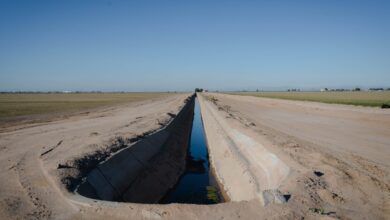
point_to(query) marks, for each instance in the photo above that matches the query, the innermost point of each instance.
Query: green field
(349, 98)
(12, 105)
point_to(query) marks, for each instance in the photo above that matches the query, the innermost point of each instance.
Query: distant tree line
(293, 90)
(378, 89)
(55, 92)
(342, 90)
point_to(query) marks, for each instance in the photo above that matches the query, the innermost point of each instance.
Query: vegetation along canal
(196, 185)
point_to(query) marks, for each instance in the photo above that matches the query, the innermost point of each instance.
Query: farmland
(375, 99)
(30, 104)
(42, 106)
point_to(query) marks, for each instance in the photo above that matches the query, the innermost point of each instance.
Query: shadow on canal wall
(197, 185)
(145, 171)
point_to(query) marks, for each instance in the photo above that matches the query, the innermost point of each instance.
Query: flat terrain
(329, 161)
(348, 145)
(30, 182)
(362, 98)
(33, 107)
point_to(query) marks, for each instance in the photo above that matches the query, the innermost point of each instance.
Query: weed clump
(320, 211)
(212, 193)
(385, 105)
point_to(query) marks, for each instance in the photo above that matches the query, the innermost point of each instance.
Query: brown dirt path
(348, 145)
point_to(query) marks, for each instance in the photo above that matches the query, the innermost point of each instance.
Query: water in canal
(196, 185)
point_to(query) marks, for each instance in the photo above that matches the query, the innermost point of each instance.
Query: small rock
(273, 196)
(287, 197)
(318, 173)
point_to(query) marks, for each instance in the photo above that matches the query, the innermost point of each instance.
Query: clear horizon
(178, 46)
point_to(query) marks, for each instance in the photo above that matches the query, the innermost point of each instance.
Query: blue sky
(180, 45)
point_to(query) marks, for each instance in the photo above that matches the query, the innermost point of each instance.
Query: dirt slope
(29, 178)
(348, 145)
(339, 155)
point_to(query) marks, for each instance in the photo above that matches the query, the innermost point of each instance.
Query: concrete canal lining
(145, 171)
(197, 185)
(243, 166)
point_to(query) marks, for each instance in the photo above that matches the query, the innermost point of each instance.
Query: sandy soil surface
(338, 155)
(348, 145)
(30, 157)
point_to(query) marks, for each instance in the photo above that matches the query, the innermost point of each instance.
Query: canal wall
(146, 170)
(243, 166)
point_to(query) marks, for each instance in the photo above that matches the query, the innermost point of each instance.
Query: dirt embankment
(338, 155)
(143, 172)
(331, 161)
(38, 162)
(244, 167)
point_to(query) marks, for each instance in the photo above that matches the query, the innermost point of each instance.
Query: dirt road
(359, 130)
(338, 156)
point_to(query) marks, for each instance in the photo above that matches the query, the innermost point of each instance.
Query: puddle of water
(196, 185)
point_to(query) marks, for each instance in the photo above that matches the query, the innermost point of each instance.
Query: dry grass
(349, 98)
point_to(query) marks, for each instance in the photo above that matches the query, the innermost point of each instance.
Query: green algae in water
(212, 193)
